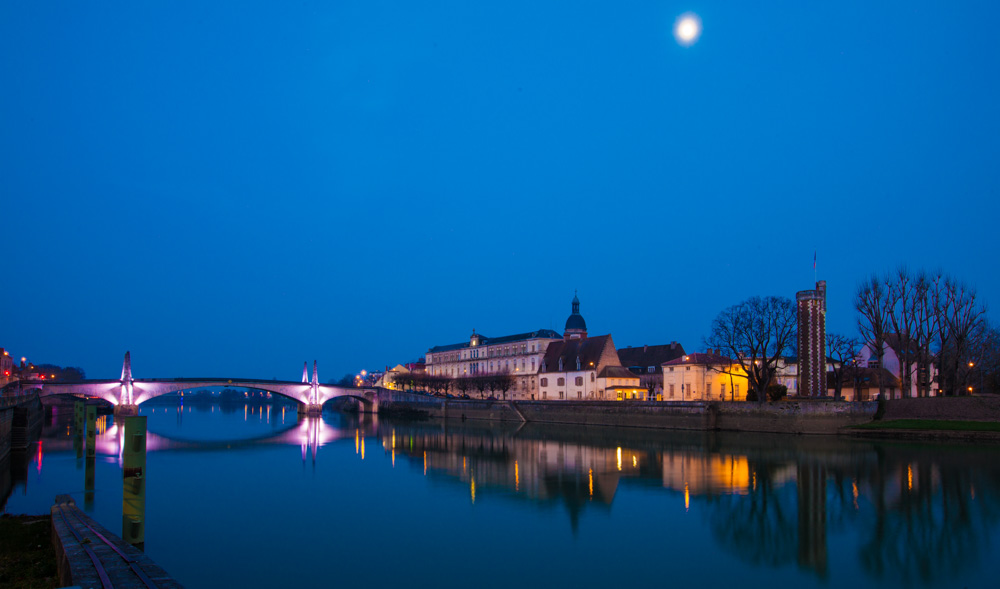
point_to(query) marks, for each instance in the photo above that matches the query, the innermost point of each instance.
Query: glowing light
(590, 476)
(362, 448)
(909, 477)
(619, 457)
(687, 497)
(634, 462)
(472, 487)
(425, 462)
(517, 477)
(357, 436)
(855, 492)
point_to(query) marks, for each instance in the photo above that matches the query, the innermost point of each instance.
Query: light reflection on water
(256, 495)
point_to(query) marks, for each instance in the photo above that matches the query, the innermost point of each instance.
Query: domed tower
(576, 327)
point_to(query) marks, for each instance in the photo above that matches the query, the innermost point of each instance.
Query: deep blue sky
(233, 188)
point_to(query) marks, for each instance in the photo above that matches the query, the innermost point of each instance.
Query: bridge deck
(91, 556)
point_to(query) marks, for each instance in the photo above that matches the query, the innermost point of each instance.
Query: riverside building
(519, 355)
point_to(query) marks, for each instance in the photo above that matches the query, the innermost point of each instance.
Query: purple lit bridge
(127, 392)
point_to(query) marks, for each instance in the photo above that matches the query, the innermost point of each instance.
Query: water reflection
(918, 512)
(891, 513)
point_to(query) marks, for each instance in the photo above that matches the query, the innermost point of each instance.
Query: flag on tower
(814, 259)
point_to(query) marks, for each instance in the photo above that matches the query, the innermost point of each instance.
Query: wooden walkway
(91, 556)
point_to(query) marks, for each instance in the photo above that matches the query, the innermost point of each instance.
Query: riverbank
(797, 417)
(973, 418)
(929, 429)
(27, 557)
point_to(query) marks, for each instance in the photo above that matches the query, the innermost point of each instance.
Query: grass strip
(933, 424)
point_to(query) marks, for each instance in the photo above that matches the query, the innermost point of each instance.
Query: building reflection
(919, 513)
(766, 501)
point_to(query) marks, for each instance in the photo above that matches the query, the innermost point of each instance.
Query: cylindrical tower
(812, 340)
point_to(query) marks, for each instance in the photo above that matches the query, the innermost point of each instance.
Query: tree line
(493, 383)
(927, 318)
(932, 318)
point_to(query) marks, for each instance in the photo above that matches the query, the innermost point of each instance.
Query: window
(722, 390)
(687, 368)
(545, 395)
(671, 369)
(651, 369)
(579, 395)
(579, 381)
(671, 389)
(708, 389)
(544, 382)
(736, 390)
(532, 364)
(619, 395)
(591, 377)
(560, 382)
(560, 395)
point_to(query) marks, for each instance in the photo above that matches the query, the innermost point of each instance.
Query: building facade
(921, 373)
(519, 355)
(586, 368)
(704, 377)
(647, 363)
(811, 311)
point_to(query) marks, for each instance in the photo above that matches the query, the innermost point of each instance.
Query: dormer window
(577, 362)
(560, 364)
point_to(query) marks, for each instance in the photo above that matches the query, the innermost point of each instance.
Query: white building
(891, 362)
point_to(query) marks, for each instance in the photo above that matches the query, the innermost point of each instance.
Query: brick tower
(812, 340)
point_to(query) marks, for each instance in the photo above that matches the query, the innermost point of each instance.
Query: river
(254, 495)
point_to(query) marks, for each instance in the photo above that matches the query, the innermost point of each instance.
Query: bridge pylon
(126, 403)
(313, 408)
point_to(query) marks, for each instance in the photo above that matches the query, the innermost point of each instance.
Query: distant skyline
(229, 189)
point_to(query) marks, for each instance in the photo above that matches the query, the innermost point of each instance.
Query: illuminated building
(647, 363)
(586, 369)
(704, 377)
(518, 355)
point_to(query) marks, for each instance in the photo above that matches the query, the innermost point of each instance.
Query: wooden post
(134, 495)
(88, 475)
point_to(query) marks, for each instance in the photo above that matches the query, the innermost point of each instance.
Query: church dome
(575, 322)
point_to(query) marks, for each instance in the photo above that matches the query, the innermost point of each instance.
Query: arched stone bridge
(127, 392)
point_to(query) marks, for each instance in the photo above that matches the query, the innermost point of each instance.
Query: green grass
(27, 558)
(934, 424)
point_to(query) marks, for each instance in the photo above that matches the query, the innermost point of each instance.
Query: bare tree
(927, 290)
(463, 384)
(481, 383)
(756, 333)
(962, 318)
(503, 382)
(902, 293)
(843, 351)
(872, 303)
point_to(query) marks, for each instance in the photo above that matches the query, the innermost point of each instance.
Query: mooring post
(78, 430)
(88, 476)
(134, 490)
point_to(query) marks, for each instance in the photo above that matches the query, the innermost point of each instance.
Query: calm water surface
(256, 496)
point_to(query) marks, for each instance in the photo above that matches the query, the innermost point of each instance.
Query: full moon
(687, 29)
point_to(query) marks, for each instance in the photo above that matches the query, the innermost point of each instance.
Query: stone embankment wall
(986, 408)
(806, 417)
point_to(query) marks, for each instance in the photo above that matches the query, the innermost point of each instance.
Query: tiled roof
(598, 350)
(617, 372)
(700, 359)
(646, 356)
(490, 341)
(866, 377)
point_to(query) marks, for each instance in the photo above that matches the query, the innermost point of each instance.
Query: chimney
(673, 345)
(645, 348)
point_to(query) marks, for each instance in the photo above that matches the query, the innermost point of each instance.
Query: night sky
(230, 188)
